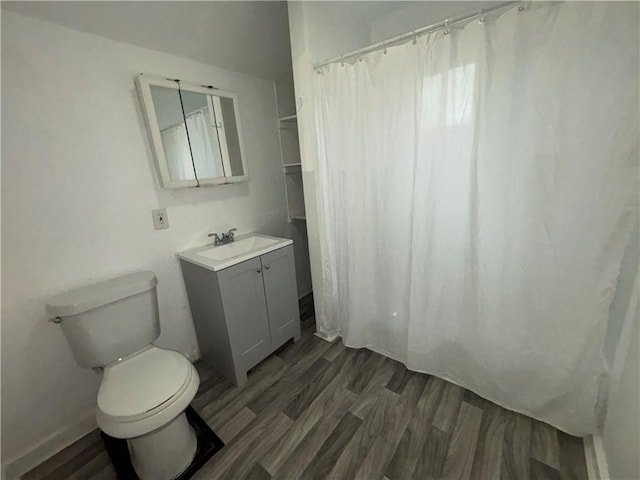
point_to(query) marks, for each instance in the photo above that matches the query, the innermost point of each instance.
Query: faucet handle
(216, 238)
(231, 232)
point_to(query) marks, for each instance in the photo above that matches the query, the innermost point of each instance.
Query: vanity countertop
(243, 248)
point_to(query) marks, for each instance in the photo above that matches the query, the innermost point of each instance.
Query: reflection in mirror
(203, 135)
(166, 102)
(231, 135)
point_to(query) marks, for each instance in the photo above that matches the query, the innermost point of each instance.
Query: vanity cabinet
(245, 312)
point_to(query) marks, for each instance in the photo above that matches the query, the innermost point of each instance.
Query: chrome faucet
(223, 238)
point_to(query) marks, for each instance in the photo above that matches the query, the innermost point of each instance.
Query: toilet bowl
(145, 389)
(142, 398)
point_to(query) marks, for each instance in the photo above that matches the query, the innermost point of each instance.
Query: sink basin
(239, 247)
(224, 256)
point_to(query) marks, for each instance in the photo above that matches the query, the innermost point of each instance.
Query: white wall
(420, 14)
(78, 187)
(248, 36)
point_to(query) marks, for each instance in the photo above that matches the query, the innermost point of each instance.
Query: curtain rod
(446, 23)
(190, 114)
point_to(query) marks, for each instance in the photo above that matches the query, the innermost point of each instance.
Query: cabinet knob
(267, 267)
(258, 270)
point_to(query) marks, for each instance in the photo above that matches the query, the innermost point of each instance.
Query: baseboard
(46, 448)
(325, 337)
(596, 458)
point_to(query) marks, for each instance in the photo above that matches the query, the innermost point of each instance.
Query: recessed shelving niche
(290, 152)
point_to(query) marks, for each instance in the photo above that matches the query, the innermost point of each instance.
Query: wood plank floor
(320, 410)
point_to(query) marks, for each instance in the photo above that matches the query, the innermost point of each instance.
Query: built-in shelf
(292, 168)
(289, 119)
(290, 151)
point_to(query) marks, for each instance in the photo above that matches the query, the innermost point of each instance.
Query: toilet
(145, 389)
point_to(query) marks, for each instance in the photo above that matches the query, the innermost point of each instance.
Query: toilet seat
(145, 391)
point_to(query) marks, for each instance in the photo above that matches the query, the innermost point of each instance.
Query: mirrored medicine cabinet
(194, 131)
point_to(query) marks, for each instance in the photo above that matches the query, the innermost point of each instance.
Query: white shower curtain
(176, 148)
(207, 158)
(476, 193)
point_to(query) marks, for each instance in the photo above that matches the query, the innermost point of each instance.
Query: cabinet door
(245, 310)
(279, 274)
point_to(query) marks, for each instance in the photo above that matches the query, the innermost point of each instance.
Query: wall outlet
(160, 219)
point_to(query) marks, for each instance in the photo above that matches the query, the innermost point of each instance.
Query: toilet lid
(143, 382)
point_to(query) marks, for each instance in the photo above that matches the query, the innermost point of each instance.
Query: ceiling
(249, 37)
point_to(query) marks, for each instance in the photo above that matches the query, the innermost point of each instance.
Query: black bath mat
(208, 445)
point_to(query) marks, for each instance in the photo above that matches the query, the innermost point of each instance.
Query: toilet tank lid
(93, 296)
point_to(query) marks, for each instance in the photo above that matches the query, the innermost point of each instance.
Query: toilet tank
(108, 320)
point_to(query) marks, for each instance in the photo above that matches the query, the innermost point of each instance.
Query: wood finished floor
(320, 410)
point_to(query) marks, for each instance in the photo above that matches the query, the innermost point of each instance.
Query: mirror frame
(144, 83)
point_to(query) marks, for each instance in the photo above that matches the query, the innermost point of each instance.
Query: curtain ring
(415, 39)
(481, 18)
(446, 26)
(384, 47)
(342, 60)
(360, 56)
(521, 7)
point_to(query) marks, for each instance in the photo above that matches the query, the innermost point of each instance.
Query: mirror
(195, 133)
(173, 133)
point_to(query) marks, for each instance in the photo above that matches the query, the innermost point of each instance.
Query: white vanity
(244, 301)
